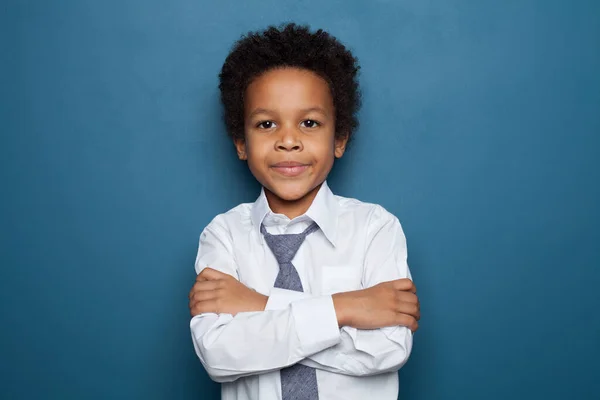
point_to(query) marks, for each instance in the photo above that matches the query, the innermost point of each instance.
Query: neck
(291, 208)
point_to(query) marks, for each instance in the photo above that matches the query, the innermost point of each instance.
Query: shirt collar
(323, 211)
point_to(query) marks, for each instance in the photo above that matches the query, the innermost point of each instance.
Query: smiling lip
(290, 168)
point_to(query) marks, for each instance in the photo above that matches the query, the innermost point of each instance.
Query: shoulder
(369, 215)
(234, 220)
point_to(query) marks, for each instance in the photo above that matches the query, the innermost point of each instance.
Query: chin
(291, 192)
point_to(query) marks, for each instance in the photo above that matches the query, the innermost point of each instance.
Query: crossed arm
(239, 332)
(386, 304)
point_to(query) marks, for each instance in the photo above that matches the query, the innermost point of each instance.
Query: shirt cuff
(280, 299)
(316, 324)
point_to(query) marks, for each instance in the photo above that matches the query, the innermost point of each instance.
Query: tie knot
(285, 247)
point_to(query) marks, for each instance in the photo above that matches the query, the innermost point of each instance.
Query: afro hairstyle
(291, 46)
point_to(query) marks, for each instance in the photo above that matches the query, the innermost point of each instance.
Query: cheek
(328, 148)
(326, 154)
(256, 150)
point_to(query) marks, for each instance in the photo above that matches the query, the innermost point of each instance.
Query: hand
(216, 292)
(386, 304)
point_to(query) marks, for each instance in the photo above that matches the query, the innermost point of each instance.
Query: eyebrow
(304, 111)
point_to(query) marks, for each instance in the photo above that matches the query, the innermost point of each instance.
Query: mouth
(290, 168)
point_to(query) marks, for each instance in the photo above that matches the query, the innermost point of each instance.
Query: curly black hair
(291, 46)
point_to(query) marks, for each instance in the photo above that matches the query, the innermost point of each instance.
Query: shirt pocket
(340, 278)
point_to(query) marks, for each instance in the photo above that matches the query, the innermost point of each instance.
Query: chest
(323, 268)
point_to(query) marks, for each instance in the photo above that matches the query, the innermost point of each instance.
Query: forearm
(365, 352)
(359, 352)
(232, 347)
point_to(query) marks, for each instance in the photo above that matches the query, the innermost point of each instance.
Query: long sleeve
(256, 342)
(367, 352)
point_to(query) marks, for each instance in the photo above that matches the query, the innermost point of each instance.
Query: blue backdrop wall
(480, 131)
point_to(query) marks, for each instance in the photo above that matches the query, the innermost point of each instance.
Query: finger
(408, 303)
(206, 285)
(407, 321)
(201, 307)
(414, 327)
(406, 297)
(405, 285)
(202, 275)
(203, 296)
(212, 274)
(410, 309)
(203, 286)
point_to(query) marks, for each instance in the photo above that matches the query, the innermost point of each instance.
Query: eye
(310, 123)
(265, 125)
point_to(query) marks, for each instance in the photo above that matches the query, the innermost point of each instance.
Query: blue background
(480, 131)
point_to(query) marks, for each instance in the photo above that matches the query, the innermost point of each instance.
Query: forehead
(287, 89)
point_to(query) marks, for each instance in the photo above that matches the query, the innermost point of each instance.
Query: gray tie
(298, 382)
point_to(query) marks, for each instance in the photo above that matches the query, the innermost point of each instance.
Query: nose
(289, 140)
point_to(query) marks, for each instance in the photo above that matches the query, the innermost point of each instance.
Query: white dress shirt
(357, 246)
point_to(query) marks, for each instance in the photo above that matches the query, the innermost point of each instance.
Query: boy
(302, 294)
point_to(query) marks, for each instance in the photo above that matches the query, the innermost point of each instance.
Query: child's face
(290, 139)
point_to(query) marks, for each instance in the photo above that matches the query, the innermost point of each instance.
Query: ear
(240, 146)
(340, 145)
